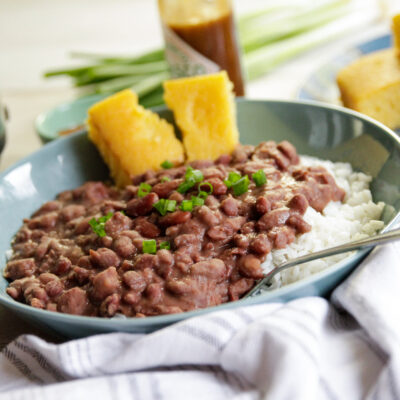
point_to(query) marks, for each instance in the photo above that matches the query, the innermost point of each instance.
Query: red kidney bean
(141, 206)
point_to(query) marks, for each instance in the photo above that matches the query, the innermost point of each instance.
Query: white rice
(356, 218)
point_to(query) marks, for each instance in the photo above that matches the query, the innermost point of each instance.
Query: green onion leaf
(165, 245)
(241, 186)
(202, 195)
(165, 179)
(259, 178)
(232, 178)
(144, 189)
(167, 164)
(170, 205)
(160, 206)
(192, 176)
(186, 205)
(185, 186)
(149, 246)
(211, 189)
(163, 206)
(197, 201)
(98, 224)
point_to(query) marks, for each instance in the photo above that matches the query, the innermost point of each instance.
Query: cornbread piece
(371, 85)
(131, 139)
(205, 111)
(396, 33)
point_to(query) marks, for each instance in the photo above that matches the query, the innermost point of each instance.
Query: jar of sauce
(200, 38)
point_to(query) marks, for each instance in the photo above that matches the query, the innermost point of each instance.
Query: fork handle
(343, 248)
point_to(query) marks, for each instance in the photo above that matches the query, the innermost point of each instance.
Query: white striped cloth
(309, 348)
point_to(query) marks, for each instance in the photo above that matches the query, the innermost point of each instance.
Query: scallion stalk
(268, 37)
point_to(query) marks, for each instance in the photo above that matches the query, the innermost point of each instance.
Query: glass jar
(200, 38)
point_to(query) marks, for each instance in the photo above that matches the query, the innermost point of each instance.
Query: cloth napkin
(309, 348)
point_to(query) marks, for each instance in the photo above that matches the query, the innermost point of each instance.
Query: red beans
(72, 211)
(146, 228)
(250, 267)
(230, 206)
(124, 247)
(209, 217)
(117, 223)
(175, 218)
(104, 258)
(105, 283)
(73, 301)
(135, 281)
(273, 218)
(263, 205)
(20, 268)
(164, 189)
(141, 206)
(298, 203)
(289, 151)
(202, 257)
(298, 223)
(260, 244)
(214, 269)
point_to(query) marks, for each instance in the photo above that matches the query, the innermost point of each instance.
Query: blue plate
(64, 117)
(324, 131)
(321, 85)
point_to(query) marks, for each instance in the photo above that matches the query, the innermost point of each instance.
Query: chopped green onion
(167, 164)
(206, 184)
(202, 195)
(259, 178)
(165, 179)
(186, 205)
(170, 205)
(197, 201)
(241, 186)
(185, 186)
(144, 189)
(165, 245)
(232, 178)
(149, 246)
(192, 176)
(164, 205)
(98, 225)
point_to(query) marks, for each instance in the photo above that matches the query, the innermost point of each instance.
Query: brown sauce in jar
(217, 41)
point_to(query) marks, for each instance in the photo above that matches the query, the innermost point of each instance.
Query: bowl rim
(171, 318)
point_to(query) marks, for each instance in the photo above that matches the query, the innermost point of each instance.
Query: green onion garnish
(149, 246)
(165, 245)
(144, 189)
(202, 195)
(186, 205)
(232, 178)
(211, 189)
(259, 178)
(241, 186)
(165, 179)
(192, 176)
(170, 205)
(167, 164)
(197, 201)
(163, 206)
(98, 224)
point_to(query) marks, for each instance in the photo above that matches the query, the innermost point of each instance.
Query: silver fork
(343, 248)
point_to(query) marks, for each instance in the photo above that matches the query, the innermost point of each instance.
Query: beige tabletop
(36, 36)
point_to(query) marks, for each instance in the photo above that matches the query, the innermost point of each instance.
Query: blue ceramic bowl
(324, 131)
